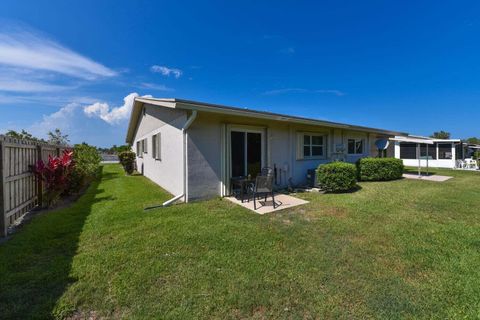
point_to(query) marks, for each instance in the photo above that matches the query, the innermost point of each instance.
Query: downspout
(185, 127)
(187, 124)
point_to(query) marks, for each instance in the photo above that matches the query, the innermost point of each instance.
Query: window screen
(355, 146)
(444, 151)
(459, 151)
(408, 150)
(432, 151)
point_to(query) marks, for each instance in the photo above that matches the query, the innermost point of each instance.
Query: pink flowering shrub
(55, 174)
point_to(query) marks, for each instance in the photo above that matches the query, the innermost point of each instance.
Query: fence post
(3, 222)
(39, 181)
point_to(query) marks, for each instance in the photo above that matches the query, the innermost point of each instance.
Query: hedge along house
(441, 153)
(192, 149)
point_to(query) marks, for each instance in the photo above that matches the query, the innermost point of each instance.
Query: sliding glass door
(238, 153)
(246, 153)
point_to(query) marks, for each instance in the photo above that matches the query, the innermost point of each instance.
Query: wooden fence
(20, 191)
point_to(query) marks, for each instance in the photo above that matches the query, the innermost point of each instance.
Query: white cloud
(112, 115)
(154, 86)
(302, 90)
(286, 90)
(31, 64)
(50, 100)
(166, 71)
(76, 120)
(71, 120)
(62, 119)
(328, 91)
(22, 48)
(18, 85)
(97, 109)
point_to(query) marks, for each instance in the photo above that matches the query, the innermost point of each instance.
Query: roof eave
(234, 111)
(132, 124)
(184, 104)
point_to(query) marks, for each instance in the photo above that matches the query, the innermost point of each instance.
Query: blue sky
(407, 66)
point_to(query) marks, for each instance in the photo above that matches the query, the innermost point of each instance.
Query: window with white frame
(139, 149)
(313, 145)
(154, 146)
(145, 145)
(157, 146)
(355, 146)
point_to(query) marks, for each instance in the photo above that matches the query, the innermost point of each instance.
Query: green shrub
(127, 159)
(379, 169)
(86, 166)
(337, 176)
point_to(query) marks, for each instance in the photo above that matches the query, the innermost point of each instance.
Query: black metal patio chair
(263, 187)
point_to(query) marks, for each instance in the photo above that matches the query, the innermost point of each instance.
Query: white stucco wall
(442, 163)
(167, 172)
(207, 153)
(205, 163)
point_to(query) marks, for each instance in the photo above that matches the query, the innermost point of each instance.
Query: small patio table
(241, 183)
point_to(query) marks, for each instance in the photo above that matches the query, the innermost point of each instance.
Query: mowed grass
(401, 249)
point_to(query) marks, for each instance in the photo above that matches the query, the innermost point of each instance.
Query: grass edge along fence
(20, 191)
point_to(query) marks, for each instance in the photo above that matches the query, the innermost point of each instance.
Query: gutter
(185, 127)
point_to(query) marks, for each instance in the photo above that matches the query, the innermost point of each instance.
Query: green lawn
(401, 249)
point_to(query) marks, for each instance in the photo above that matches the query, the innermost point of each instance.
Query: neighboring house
(471, 149)
(192, 149)
(442, 153)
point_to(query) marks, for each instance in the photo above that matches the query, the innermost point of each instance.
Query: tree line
(446, 135)
(57, 137)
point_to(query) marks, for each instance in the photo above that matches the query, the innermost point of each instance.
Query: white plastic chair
(471, 164)
(474, 164)
(460, 164)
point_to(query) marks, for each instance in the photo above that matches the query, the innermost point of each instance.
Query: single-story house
(192, 149)
(441, 153)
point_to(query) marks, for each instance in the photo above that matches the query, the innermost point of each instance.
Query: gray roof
(221, 109)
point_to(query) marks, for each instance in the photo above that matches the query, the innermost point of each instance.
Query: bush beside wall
(68, 173)
(86, 166)
(337, 177)
(127, 159)
(379, 169)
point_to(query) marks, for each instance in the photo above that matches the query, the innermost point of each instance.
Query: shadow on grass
(107, 175)
(353, 190)
(35, 264)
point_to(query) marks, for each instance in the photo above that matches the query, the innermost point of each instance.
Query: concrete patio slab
(283, 201)
(435, 177)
